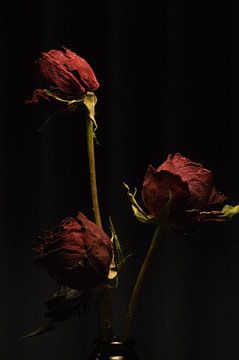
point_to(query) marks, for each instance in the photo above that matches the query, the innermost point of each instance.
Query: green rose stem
(104, 296)
(140, 279)
(93, 183)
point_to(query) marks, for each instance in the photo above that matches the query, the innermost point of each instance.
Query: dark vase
(115, 350)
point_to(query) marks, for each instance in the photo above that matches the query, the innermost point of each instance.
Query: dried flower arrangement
(85, 261)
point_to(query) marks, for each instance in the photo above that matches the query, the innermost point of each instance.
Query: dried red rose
(76, 254)
(63, 77)
(183, 189)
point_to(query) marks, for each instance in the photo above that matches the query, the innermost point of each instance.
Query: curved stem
(91, 156)
(139, 281)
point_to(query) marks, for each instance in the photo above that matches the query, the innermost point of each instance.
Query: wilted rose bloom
(76, 254)
(62, 76)
(183, 191)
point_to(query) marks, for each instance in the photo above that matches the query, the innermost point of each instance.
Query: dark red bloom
(76, 254)
(186, 187)
(62, 76)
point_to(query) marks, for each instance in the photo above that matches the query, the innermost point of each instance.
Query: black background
(168, 83)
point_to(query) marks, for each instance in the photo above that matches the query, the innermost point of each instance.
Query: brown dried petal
(199, 180)
(216, 198)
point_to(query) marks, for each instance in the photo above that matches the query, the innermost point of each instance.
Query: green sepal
(113, 268)
(69, 102)
(120, 259)
(41, 330)
(229, 211)
(90, 101)
(137, 210)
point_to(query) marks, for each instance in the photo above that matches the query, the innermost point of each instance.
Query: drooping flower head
(184, 189)
(77, 254)
(63, 77)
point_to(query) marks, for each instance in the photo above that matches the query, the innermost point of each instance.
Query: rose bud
(63, 78)
(77, 254)
(182, 193)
